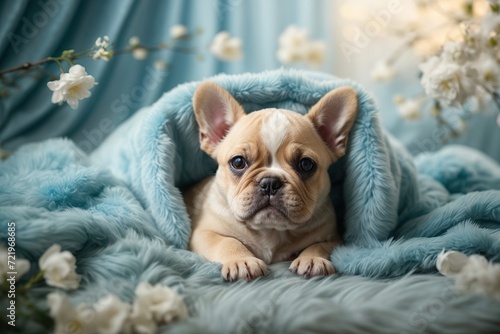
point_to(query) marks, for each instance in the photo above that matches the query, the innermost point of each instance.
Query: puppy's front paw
(246, 268)
(312, 266)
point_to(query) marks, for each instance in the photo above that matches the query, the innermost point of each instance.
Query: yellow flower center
(74, 327)
(73, 90)
(445, 85)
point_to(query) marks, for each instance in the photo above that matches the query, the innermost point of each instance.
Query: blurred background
(164, 43)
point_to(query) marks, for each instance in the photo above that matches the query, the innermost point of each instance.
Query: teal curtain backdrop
(33, 30)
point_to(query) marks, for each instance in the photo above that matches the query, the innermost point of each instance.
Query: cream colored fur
(233, 221)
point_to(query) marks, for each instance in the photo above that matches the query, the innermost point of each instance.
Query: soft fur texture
(267, 209)
(130, 225)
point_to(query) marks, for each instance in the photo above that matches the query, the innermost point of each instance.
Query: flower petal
(54, 249)
(451, 263)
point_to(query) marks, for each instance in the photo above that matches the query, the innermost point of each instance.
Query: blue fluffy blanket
(121, 212)
(398, 213)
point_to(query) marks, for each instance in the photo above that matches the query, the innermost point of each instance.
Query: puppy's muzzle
(269, 186)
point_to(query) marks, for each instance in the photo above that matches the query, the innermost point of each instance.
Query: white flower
(69, 319)
(410, 109)
(447, 81)
(488, 70)
(451, 263)
(429, 67)
(59, 268)
(155, 305)
(140, 53)
(290, 55)
(164, 303)
(72, 86)
(382, 71)
(455, 51)
(225, 47)
(479, 276)
(472, 274)
(294, 36)
(102, 42)
(21, 267)
(296, 47)
(111, 314)
(178, 31)
(140, 321)
(490, 23)
(102, 52)
(316, 52)
(134, 41)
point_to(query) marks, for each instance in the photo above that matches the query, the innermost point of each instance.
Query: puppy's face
(273, 163)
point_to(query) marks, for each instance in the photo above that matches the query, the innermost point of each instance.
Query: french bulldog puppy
(268, 201)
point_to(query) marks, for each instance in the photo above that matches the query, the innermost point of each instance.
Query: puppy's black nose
(270, 185)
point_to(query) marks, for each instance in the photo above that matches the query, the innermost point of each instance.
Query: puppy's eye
(238, 163)
(307, 165)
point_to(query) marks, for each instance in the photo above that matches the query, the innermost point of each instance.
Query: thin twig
(88, 54)
(26, 66)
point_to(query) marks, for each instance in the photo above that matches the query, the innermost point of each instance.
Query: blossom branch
(68, 56)
(464, 68)
(26, 66)
(75, 85)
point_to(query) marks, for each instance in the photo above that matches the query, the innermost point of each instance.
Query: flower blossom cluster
(409, 109)
(102, 51)
(456, 74)
(468, 69)
(464, 71)
(59, 268)
(153, 306)
(296, 47)
(226, 47)
(178, 31)
(472, 274)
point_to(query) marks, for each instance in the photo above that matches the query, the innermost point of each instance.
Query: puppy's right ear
(216, 111)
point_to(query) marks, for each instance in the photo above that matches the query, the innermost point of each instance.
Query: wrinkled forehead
(273, 126)
(270, 129)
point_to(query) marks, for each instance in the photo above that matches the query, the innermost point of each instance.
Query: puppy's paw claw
(312, 266)
(247, 268)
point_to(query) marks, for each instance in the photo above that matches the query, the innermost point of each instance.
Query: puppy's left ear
(333, 117)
